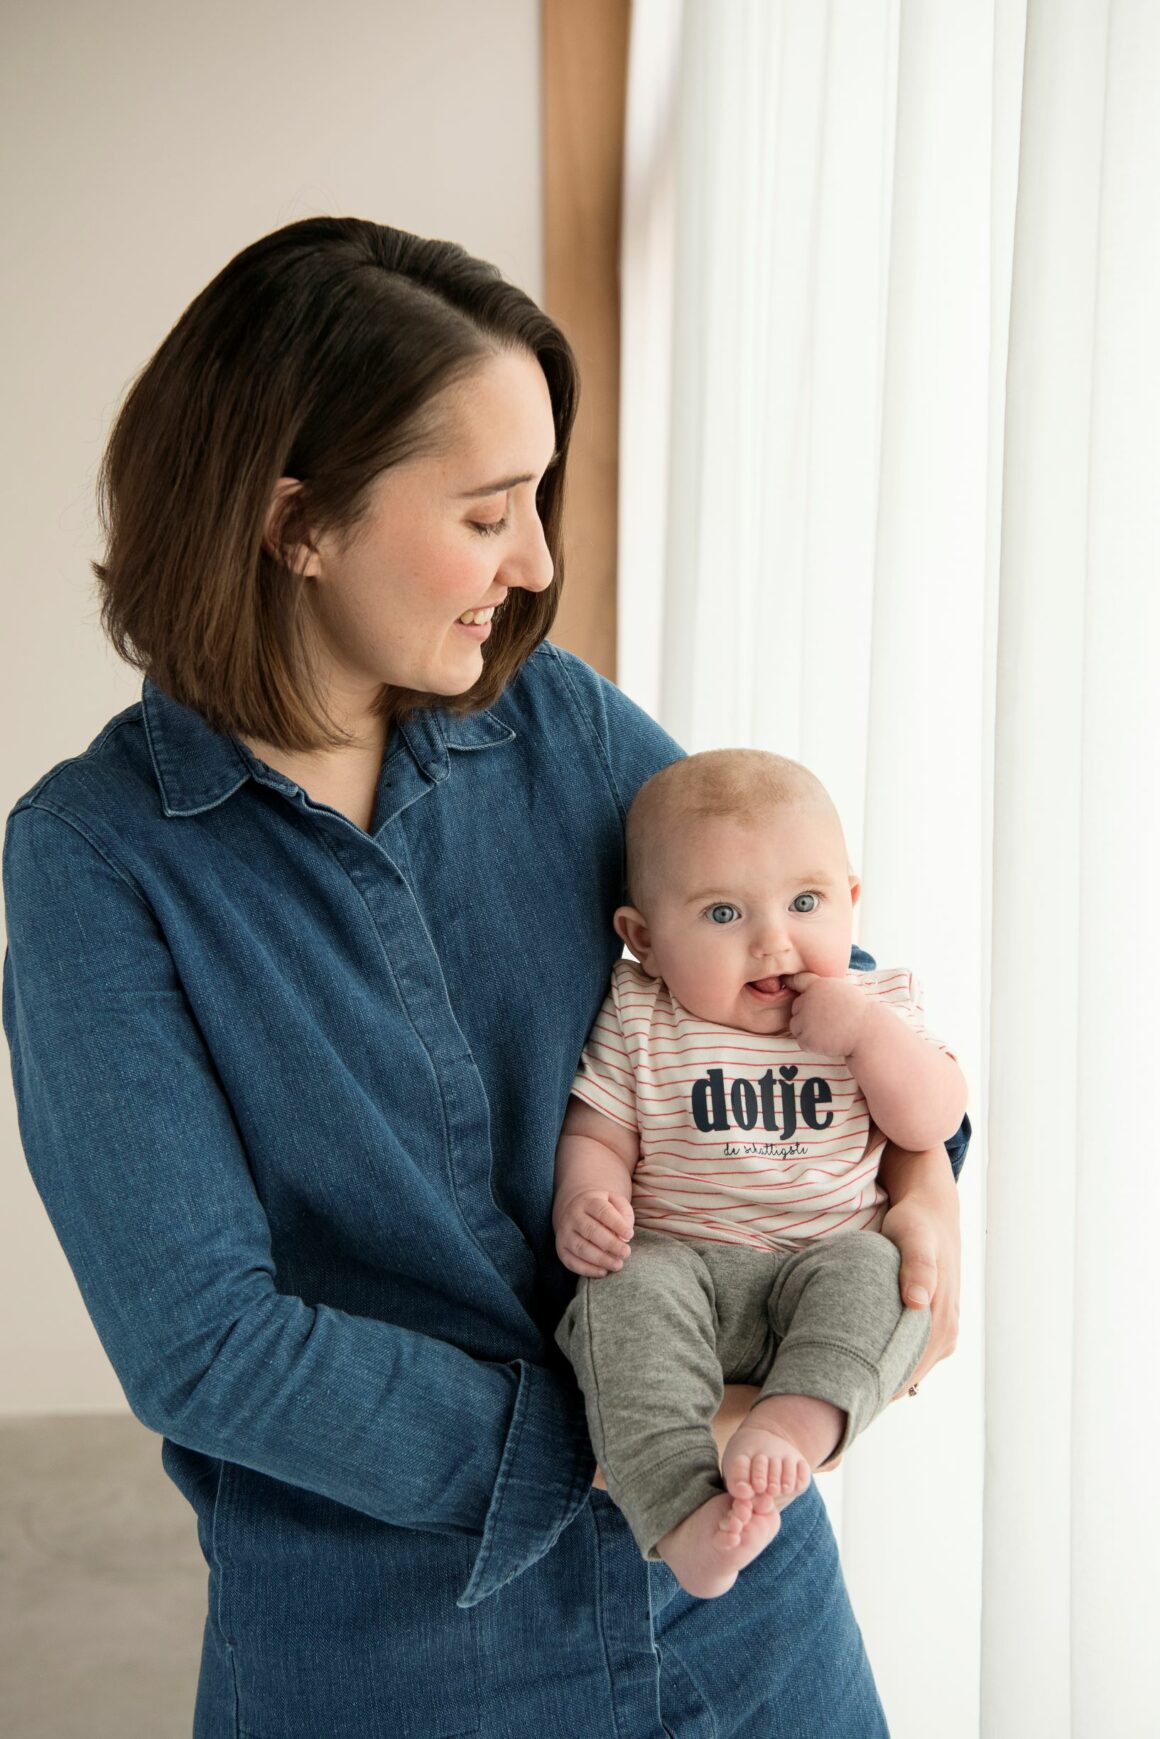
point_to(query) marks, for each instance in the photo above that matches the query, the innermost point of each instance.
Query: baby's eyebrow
(812, 878)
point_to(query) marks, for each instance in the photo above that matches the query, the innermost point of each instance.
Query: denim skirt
(326, 1624)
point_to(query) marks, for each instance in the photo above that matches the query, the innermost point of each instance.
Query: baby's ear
(855, 890)
(632, 928)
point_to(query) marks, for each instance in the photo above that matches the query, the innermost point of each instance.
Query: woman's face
(442, 535)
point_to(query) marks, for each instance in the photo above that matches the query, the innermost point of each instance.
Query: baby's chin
(762, 1020)
(746, 1015)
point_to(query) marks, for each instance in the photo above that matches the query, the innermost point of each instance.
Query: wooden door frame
(584, 49)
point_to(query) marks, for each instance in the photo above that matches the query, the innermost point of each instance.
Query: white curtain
(889, 494)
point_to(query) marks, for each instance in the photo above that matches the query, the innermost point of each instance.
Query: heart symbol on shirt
(788, 1073)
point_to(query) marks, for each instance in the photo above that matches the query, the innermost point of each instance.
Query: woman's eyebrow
(505, 483)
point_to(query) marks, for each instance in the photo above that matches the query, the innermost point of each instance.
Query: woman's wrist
(924, 1176)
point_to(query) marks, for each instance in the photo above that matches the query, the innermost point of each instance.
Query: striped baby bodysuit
(745, 1138)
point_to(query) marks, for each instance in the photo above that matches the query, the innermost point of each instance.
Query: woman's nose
(529, 563)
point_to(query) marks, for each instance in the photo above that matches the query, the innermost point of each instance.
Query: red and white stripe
(642, 1059)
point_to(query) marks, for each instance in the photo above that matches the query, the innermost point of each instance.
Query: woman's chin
(455, 685)
(453, 674)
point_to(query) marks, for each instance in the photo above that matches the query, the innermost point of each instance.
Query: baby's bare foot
(763, 1468)
(707, 1551)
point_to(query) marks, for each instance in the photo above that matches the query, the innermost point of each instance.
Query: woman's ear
(283, 535)
(632, 928)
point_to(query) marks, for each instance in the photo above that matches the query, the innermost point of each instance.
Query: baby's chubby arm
(591, 1212)
(916, 1093)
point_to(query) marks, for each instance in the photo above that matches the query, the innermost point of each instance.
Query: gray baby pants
(654, 1343)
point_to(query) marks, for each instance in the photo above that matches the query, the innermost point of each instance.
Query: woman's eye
(723, 914)
(804, 903)
(491, 530)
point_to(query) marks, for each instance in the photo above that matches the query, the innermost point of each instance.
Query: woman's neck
(344, 778)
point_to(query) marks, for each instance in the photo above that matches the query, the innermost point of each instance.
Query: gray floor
(102, 1584)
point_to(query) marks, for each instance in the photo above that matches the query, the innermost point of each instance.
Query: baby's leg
(845, 1344)
(643, 1343)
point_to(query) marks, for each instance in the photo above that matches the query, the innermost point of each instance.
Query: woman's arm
(923, 1220)
(135, 1150)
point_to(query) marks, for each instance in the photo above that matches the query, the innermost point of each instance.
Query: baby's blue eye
(797, 906)
(721, 914)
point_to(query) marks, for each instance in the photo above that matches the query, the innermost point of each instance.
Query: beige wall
(145, 143)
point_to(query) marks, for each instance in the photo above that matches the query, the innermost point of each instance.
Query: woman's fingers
(944, 1335)
(918, 1276)
(927, 1235)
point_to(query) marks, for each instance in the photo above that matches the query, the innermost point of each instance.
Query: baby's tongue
(770, 984)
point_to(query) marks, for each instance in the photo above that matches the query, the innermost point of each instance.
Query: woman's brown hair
(315, 353)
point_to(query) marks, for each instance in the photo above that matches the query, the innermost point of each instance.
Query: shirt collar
(197, 768)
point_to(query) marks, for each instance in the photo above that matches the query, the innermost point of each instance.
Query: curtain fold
(889, 505)
(1070, 1610)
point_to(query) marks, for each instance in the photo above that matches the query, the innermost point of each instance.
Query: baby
(724, 1131)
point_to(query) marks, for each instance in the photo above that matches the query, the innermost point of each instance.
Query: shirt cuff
(545, 1476)
(957, 1146)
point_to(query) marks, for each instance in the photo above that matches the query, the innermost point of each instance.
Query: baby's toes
(759, 1473)
(740, 1513)
(729, 1529)
(782, 1475)
(737, 1477)
(802, 1476)
(732, 1525)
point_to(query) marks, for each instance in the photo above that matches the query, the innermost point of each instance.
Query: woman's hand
(923, 1220)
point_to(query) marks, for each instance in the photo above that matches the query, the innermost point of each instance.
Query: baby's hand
(592, 1232)
(827, 1013)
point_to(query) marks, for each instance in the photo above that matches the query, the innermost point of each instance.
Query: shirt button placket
(418, 975)
(626, 1625)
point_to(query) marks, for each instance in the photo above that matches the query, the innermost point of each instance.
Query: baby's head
(738, 876)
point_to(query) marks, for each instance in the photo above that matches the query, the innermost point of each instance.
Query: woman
(302, 953)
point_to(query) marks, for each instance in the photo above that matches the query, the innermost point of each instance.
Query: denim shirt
(290, 1093)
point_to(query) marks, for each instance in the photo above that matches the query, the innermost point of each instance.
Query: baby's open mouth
(770, 986)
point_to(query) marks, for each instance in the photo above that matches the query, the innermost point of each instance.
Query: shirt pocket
(339, 1625)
